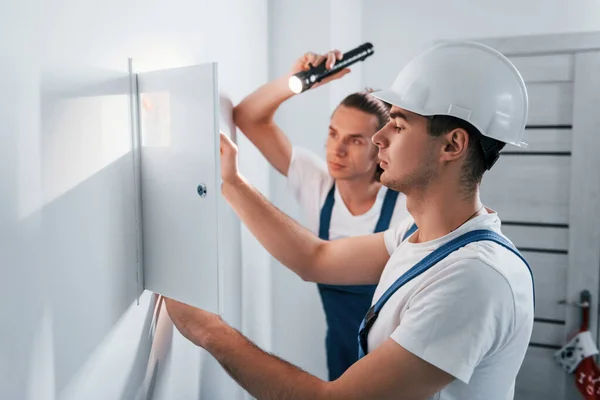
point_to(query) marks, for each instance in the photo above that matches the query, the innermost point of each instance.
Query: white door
(180, 183)
(548, 196)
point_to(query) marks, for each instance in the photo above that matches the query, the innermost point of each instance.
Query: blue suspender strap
(410, 231)
(346, 305)
(422, 266)
(383, 223)
(325, 218)
(387, 210)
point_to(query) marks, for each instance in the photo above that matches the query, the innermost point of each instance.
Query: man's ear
(455, 144)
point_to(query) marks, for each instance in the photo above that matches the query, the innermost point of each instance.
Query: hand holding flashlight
(323, 72)
(328, 60)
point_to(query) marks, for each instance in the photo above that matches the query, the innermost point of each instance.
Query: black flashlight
(303, 80)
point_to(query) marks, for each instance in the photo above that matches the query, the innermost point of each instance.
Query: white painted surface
(179, 148)
(399, 30)
(70, 326)
(346, 33)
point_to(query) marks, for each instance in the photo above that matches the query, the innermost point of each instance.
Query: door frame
(584, 198)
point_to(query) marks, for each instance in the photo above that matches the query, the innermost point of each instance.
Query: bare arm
(255, 114)
(388, 372)
(355, 260)
(255, 118)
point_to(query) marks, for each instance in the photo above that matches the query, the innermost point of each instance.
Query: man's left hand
(192, 322)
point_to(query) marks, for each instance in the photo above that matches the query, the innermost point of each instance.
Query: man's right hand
(346, 261)
(302, 64)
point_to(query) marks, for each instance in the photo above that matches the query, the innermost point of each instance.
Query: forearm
(261, 105)
(286, 240)
(387, 372)
(264, 376)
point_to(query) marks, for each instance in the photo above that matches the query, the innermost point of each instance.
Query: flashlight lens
(295, 84)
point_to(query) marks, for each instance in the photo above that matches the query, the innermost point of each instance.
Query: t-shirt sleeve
(308, 179)
(458, 318)
(393, 236)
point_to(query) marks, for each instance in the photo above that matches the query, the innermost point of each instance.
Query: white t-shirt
(309, 180)
(470, 315)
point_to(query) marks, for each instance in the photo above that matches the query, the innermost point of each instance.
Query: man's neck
(437, 212)
(359, 194)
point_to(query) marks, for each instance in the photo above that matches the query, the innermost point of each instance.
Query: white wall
(70, 326)
(298, 319)
(398, 30)
(401, 29)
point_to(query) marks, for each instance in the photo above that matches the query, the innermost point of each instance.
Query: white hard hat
(466, 80)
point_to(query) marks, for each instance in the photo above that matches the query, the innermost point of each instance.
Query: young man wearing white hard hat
(453, 311)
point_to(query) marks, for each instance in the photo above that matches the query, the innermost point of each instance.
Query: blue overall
(422, 266)
(346, 305)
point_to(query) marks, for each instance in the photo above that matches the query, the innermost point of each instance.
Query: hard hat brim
(390, 97)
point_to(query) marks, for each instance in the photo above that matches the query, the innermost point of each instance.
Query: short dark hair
(482, 151)
(365, 102)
